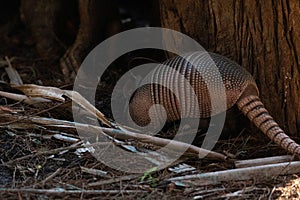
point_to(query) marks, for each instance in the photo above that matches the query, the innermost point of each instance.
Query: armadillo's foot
(72, 60)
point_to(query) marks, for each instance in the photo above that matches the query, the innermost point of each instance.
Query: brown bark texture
(261, 35)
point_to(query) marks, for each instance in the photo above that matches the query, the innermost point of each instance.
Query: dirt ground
(57, 172)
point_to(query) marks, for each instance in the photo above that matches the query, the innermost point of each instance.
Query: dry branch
(265, 172)
(263, 161)
(24, 98)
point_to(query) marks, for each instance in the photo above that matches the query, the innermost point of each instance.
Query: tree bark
(262, 36)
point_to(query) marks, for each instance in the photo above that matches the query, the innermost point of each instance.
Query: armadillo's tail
(253, 108)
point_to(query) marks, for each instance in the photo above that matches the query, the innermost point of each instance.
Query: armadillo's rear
(238, 84)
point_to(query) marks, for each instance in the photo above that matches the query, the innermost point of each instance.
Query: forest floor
(36, 164)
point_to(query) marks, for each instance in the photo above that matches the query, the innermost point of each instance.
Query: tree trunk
(262, 36)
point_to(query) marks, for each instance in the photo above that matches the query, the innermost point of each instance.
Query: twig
(242, 192)
(80, 100)
(51, 176)
(61, 191)
(21, 118)
(24, 98)
(54, 151)
(113, 180)
(95, 172)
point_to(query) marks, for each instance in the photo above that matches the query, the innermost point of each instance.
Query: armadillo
(240, 89)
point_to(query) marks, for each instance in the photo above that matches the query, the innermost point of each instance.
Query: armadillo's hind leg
(253, 108)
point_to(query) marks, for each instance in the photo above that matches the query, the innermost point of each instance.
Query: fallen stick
(263, 161)
(265, 172)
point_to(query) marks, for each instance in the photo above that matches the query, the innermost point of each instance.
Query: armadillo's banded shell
(199, 72)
